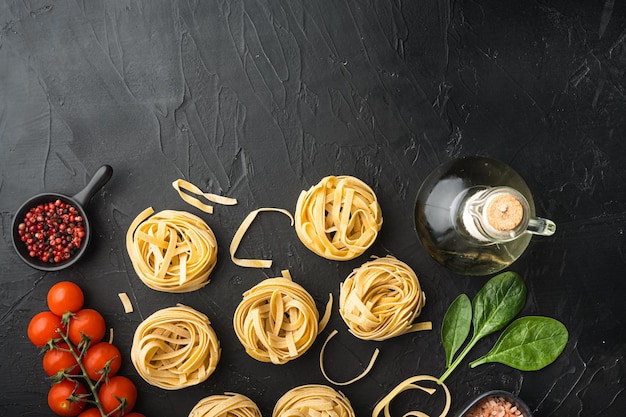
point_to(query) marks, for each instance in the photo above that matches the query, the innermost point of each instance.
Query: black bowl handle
(101, 177)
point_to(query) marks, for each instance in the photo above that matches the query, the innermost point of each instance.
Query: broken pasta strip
(339, 218)
(175, 347)
(313, 401)
(180, 185)
(277, 320)
(407, 384)
(171, 251)
(128, 306)
(381, 299)
(226, 405)
(362, 375)
(243, 228)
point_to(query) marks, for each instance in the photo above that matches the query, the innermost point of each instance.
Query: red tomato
(119, 390)
(88, 322)
(98, 356)
(60, 395)
(65, 296)
(43, 327)
(92, 412)
(60, 359)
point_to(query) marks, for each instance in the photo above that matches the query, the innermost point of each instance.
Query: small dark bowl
(79, 201)
(516, 401)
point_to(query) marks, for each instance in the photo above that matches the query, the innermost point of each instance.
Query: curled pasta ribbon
(407, 384)
(180, 185)
(172, 251)
(241, 231)
(339, 218)
(362, 375)
(175, 347)
(226, 405)
(277, 320)
(381, 299)
(313, 401)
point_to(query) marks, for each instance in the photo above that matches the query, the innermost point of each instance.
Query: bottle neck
(494, 214)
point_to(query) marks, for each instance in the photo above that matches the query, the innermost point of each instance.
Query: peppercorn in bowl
(51, 231)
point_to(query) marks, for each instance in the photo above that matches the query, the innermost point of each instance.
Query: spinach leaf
(497, 303)
(528, 344)
(456, 326)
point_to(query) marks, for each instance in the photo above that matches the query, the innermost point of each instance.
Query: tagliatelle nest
(381, 299)
(226, 405)
(171, 251)
(339, 218)
(277, 320)
(175, 347)
(313, 401)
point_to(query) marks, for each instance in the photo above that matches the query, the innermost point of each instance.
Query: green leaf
(456, 326)
(528, 344)
(497, 303)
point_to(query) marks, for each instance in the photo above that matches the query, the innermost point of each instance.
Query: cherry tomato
(60, 359)
(43, 327)
(65, 296)
(98, 355)
(92, 412)
(88, 322)
(59, 398)
(116, 389)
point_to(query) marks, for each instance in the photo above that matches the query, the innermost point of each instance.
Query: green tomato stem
(85, 376)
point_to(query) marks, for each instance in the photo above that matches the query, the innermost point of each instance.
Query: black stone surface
(259, 100)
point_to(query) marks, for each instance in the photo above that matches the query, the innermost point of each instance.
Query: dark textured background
(259, 100)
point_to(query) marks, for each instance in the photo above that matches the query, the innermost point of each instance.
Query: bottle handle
(541, 226)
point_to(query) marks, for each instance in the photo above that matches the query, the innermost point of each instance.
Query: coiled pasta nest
(277, 320)
(313, 401)
(381, 299)
(175, 347)
(226, 405)
(339, 218)
(171, 251)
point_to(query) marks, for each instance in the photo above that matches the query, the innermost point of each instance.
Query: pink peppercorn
(52, 232)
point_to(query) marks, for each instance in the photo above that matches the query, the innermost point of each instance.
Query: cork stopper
(504, 212)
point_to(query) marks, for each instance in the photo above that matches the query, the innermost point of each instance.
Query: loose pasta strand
(181, 184)
(358, 377)
(409, 383)
(241, 231)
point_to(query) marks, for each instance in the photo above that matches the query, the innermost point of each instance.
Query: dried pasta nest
(277, 320)
(381, 299)
(226, 405)
(175, 347)
(339, 218)
(313, 401)
(171, 251)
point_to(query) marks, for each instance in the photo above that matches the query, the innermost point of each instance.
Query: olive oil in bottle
(476, 216)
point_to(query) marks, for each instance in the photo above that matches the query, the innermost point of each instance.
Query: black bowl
(516, 401)
(79, 201)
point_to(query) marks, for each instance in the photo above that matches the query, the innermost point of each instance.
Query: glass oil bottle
(476, 216)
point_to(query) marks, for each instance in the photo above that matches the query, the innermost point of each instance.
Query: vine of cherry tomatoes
(82, 367)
